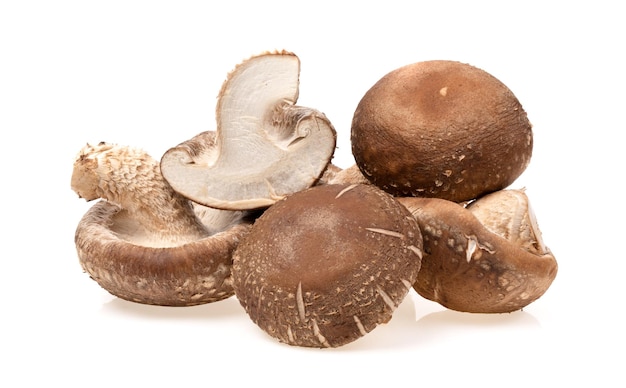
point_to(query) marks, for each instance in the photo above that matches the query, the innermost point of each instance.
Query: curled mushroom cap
(441, 129)
(266, 147)
(325, 266)
(144, 242)
(490, 259)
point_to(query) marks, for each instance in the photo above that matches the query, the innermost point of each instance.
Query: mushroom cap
(325, 266)
(265, 146)
(143, 241)
(441, 129)
(467, 267)
(111, 249)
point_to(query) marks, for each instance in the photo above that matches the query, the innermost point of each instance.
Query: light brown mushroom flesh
(441, 129)
(324, 266)
(144, 242)
(349, 175)
(486, 258)
(266, 147)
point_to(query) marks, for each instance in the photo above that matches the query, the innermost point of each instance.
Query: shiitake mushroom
(144, 242)
(324, 266)
(442, 129)
(487, 257)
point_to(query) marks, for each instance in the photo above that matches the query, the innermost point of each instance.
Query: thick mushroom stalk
(265, 147)
(144, 242)
(486, 258)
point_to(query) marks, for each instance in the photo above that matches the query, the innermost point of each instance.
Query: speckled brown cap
(467, 267)
(441, 129)
(325, 266)
(142, 241)
(193, 273)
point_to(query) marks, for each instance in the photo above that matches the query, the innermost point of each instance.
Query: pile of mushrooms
(317, 255)
(459, 137)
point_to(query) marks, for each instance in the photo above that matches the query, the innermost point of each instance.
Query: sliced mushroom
(497, 266)
(144, 242)
(265, 148)
(325, 266)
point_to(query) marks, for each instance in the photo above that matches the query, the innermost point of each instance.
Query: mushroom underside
(265, 146)
(192, 273)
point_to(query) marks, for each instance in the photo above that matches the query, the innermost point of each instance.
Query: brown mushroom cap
(441, 129)
(468, 267)
(265, 147)
(193, 273)
(326, 265)
(145, 243)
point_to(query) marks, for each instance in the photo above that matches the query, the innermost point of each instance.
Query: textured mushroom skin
(467, 268)
(195, 273)
(441, 129)
(325, 266)
(144, 242)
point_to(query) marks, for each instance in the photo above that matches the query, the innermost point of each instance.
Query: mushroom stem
(131, 179)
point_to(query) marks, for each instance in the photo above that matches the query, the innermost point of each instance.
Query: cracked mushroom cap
(441, 129)
(325, 266)
(265, 146)
(145, 243)
(486, 258)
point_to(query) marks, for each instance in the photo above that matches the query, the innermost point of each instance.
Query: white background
(147, 73)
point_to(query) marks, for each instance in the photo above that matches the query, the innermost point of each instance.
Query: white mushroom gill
(508, 213)
(266, 146)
